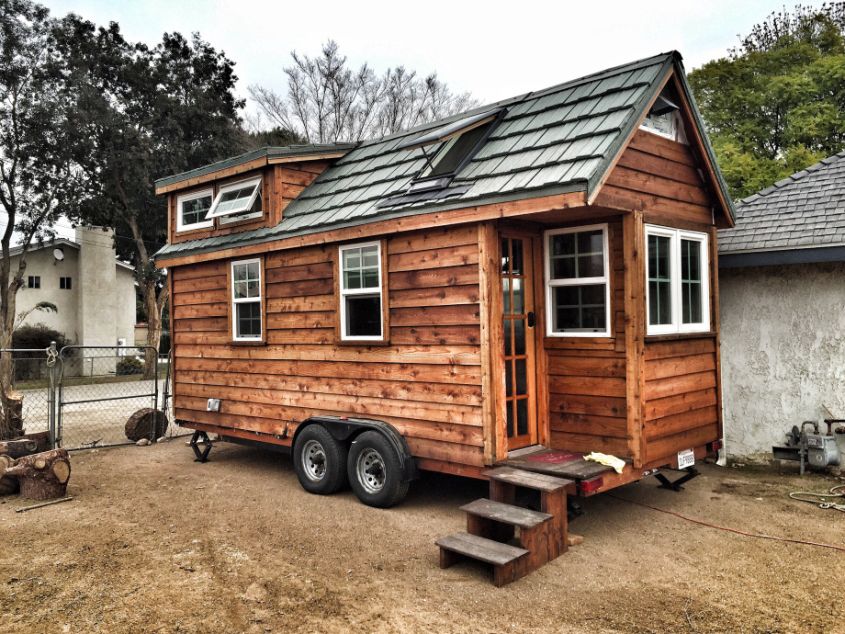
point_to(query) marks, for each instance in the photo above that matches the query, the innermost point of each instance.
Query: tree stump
(8, 484)
(146, 423)
(42, 476)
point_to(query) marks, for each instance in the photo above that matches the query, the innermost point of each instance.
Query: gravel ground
(154, 542)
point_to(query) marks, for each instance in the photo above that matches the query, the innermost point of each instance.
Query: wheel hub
(370, 470)
(314, 460)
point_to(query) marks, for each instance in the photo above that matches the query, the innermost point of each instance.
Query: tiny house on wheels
(519, 285)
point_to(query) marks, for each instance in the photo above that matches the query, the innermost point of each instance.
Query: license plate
(686, 458)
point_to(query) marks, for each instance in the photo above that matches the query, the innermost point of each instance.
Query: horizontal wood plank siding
(586, 377)
(661, 178)
(680, 396)
(426, 382)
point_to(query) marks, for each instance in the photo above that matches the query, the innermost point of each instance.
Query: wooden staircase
(492, 524)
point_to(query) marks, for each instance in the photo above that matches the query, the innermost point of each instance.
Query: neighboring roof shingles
(804, 210)
(560, 139)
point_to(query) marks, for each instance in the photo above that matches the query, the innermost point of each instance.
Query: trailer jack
(201, 438)
(676, 485)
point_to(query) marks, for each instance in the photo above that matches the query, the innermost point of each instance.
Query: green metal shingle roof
(560, 139)
(268, 152)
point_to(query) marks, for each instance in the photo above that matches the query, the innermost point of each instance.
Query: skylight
(459, 141)
(236, 198)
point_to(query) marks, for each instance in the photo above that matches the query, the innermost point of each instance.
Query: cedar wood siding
(681, 389)
(426, 381)
(586, 377)
(280, 185)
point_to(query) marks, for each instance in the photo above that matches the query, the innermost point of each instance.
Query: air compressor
(812, 447)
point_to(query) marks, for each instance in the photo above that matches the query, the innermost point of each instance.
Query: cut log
(8, 484)
(146, 423)
(19, 447)
(42, 476)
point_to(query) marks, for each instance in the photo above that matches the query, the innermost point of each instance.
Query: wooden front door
(518, 340)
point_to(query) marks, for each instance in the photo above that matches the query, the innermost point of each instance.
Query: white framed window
(237, 201)
(246, 300)
(191, 210)
(677, 281)
(577, 272)
(361, 316)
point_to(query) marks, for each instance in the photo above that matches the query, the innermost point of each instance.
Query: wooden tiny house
(525, 283)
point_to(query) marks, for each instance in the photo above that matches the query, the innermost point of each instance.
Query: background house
(782, 283)
(93, 291)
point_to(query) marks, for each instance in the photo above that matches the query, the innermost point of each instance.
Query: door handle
(531, 319)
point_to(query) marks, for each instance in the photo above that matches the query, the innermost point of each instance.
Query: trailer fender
(346, 429)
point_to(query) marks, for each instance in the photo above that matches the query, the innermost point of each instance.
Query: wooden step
(527, 479)
(506, 513)
(481, 548)
(509, 562)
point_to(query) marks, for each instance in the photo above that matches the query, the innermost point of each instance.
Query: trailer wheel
(375, 472)
(319, 460)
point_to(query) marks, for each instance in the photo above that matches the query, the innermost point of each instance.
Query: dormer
(246, 192)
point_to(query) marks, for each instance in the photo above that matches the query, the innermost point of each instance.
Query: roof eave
(248, 161)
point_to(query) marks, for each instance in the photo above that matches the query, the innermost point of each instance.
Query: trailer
(514, 287)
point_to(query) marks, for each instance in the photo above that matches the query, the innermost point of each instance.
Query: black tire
(374, 471)
(319, 460)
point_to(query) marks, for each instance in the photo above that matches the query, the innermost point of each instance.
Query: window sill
(366, 342)
(257, 342)
(193, 229)
(677, 336)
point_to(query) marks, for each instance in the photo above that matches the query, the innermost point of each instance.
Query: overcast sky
(494, 50)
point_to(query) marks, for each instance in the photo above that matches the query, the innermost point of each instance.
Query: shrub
(31, 365)
(130, 365)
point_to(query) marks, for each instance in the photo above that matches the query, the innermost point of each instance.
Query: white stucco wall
(783, 351)
(100, 307)
(41, 263)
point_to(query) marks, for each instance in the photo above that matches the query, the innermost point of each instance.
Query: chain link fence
(31, 377)
(83, 396)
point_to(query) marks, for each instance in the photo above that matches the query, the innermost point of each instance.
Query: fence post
(52, 357)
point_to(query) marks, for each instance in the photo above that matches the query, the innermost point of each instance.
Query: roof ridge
(793, 178)
(607, 72)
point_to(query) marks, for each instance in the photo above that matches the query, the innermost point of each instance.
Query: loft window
(246, 300)
(237, 201)
(192, 209)
(664, 119)
(677, 288)
(578, 282)
(361, 316)
(459, 141)
(65, 283)
(33, 281)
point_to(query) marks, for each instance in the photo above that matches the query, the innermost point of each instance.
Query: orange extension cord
(731, 530)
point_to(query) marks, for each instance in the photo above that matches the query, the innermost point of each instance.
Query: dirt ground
(154, 542)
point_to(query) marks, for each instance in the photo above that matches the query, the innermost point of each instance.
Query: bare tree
(327, 101)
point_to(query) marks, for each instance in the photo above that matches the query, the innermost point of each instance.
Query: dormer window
(237, 201)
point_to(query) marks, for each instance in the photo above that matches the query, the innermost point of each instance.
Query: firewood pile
(36, 475)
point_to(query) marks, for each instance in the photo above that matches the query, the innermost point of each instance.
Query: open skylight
(243, 197)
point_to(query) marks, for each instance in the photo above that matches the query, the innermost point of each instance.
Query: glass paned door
(518, 340)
